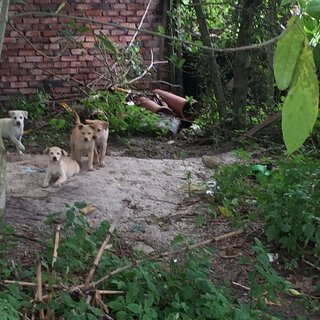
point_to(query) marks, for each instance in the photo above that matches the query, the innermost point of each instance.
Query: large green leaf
(108, 46)
(300, 108)
(313, 9)
(287, 53)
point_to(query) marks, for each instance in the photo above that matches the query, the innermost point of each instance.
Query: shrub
(289, 201)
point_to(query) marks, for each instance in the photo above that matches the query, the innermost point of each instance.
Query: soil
(145, 191)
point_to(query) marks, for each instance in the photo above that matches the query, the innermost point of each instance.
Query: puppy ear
(25, 114)
(64, 152)
(92, 126)
(105, 125)
(46, 151)
(11, 114)
(80, 126)
(88, 121)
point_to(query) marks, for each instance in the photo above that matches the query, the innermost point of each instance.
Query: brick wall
(37, 53)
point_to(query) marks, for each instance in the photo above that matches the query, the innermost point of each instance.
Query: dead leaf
(90, 208)
(224, 211)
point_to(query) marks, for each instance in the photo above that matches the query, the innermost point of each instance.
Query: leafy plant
(36, 106)
(177, 289)
(288, 201)
(123, 117)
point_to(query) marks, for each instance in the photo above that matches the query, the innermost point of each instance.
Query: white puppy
(12, 128)
(59, 166)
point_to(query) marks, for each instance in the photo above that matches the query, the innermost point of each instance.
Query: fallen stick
(56, 245)
(39, 288)
(99, 255)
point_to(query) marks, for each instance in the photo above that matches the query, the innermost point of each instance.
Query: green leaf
(61, 6)
(313, 9)
(284, 2)
(287, 53)
(135, 308)
(300, 108)
(106, 43)
(161, 29)
(309, 230)
(200, 221)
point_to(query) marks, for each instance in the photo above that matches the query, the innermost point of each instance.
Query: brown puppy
(101, 140)
(82, 142)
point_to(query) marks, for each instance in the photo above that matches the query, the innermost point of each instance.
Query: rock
(211, 162)
(140, 246)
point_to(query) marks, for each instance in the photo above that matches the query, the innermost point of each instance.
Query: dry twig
(56, 245)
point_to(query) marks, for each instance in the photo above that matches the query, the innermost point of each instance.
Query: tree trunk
(272, 9)
(212, 62)
(3, 162)
(4, 7)
(242, 63)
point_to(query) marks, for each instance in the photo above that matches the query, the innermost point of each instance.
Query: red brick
(34, 59)
(127, 13)
(86, 58)
(119, 6)
(19, 84)
(31, 21)
(133, 19)
(61, 64)
(119, 19)
(111, 13)
(54, 46)
(43, 77)
(117, 32)
(49, 33)
(83, 6)
(125, 38)
(78, 52)
(78, 64)
(9, 78)
(26, 65)
(26, 78)
(18, 72)
(17, 59)
(4, 72)
(69, 58)
(36, 72)
(33, 33)
(26, 52)
(87, 45)
(62, 90)
(27, 90)
(69, 71)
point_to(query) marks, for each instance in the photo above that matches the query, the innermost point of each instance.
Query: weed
(289, 202)
(36, 106)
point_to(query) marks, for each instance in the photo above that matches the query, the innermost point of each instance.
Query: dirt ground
(143, 190)
(147, 199)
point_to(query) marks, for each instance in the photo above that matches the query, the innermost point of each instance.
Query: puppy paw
(45, 185)
(21, 153)
(57, 184)
(90, 168)
(102, 164)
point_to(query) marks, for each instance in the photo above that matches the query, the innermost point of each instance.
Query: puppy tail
(70, 110)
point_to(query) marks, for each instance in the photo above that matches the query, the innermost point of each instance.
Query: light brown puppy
(59, 166)
(101, 140)
(82, 142)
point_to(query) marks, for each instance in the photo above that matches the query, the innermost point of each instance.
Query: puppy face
(86, 132)
(99, 127)
(55, 153)
(18, 117)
